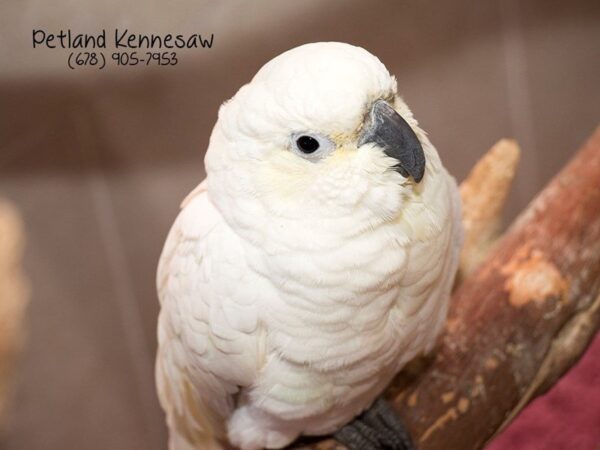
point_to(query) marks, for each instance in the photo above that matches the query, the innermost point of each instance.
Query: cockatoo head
(318, 133)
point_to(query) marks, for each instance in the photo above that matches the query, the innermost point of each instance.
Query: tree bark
(516, 324)
(483, 195)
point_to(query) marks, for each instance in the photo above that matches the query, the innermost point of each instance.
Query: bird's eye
(307, 144)
(311, 146)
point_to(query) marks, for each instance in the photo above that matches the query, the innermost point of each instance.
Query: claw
(378, 428)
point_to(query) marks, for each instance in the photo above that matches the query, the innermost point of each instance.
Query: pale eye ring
(312, 146)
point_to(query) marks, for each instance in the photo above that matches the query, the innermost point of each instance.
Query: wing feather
(207, 332)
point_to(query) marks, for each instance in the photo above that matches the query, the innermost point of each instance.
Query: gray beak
(388, 130)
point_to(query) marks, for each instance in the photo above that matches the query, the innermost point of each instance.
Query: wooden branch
(517, 323)
(483, 195)
(14, 294)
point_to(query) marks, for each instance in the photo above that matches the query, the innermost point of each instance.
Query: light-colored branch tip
(14, 295)
(483, 195)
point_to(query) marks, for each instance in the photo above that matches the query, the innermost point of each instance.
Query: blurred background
(97, 162)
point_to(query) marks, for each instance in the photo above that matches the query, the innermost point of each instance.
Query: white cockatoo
(313, 262)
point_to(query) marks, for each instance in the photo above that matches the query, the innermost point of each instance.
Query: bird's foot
(378, 428)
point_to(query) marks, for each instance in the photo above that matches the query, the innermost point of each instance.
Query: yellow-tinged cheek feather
(288, 175)
(341, 155)
(343, 139)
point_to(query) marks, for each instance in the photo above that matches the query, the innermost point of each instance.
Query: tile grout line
(518, 91)
(131, 322)
(130, 317)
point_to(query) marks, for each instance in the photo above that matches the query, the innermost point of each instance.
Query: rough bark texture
(517, 323)
(483, 195)
(14, 294)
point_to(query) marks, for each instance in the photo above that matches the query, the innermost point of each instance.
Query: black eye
(311, 146)
(307, 144)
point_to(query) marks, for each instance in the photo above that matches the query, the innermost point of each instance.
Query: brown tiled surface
(563, 72)
(98, 166)
(77, 386)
